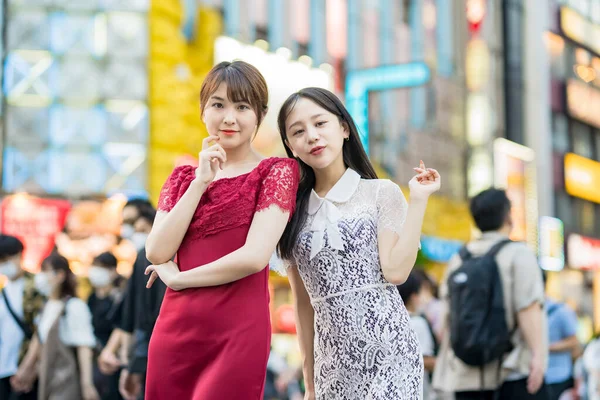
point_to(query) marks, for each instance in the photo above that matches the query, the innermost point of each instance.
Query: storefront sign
(514, 169)
(36, 222)
(583, 252)
(551, 244)
(583, 102)
(580, 29)
(582, 177)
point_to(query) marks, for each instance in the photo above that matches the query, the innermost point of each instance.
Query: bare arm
(125, 347)
(570, 343)
(264, 234)
(169, 228)
(429, 363)
(530, 323)
(305, 317)
(84, 357)
(398, 253)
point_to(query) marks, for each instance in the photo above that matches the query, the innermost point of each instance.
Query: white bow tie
(326, 220)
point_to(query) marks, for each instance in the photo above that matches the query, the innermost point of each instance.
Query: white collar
(341, 192)
(326, 214)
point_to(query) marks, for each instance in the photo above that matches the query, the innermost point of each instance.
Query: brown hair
(244, 83)
(57, 263)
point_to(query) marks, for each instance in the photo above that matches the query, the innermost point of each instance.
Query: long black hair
(57, 263)
(353, 153)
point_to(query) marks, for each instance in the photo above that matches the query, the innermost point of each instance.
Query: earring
(347, 139)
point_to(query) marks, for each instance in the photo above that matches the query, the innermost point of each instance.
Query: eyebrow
(313, 117)
(217, 98)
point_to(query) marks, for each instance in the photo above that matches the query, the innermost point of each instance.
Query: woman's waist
(383, 288)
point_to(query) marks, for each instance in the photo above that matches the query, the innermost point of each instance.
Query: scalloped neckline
(230, 178)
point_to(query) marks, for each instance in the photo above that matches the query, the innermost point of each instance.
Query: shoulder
(182, 171)
(382, 187)
(270, 164)
(76, 308)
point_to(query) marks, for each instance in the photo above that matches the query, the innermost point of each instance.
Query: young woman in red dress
(222, 220)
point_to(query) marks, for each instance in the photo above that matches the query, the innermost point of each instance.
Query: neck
(239, 155)
(102, 292)
(327, 177)
(19, 274)
(505, 230)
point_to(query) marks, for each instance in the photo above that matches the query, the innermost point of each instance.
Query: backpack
(436, 344)
(478, 330)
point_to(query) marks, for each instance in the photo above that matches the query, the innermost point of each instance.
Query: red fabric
(213, 343)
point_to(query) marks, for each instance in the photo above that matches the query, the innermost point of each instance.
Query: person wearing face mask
(113, 356)
(65, 339)
(20, 304)
(104, 304)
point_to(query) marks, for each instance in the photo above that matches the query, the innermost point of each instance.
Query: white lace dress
(364, 346)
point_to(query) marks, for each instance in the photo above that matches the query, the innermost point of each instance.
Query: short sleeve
(175, 186)
(78, 330)
(568, 320)
(279, 265)
(391, 207)
(528, 280)
(419, 325)
(279, 186)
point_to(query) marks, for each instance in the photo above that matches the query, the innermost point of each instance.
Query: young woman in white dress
(352, 239)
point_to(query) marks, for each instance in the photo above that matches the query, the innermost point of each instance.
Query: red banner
(36, 222)
(583, 252)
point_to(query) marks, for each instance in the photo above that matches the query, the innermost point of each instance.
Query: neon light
(360, 83)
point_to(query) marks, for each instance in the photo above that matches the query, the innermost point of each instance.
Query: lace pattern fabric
(364, 345)
(230, 203)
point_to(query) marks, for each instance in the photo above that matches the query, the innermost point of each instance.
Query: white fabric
(591, 364)
(75, 326)
(326, 214)
(364, 345)
(11, 335)
(419, 325)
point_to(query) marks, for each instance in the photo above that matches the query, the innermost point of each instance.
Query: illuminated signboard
(514, 170)
(583, 102)
(580, 29)
(551, 244)
(360, 83)
(583, 252)
(582, 177)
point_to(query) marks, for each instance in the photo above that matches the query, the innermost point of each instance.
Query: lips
(228, 132)
(317, 150)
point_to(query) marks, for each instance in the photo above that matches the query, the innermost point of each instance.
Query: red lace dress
(213, 343)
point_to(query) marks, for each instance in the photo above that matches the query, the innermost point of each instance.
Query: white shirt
(11, 335)
(421, 328)
(75, 326)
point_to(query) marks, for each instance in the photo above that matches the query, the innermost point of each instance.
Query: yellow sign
(580, 29)
(582, 177)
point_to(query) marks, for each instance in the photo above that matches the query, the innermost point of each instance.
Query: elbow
(156, 255)
(396, 275)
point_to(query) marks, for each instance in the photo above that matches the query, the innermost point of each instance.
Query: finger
(211, 155)
(422, 164)
(151, 280)
(206, 141)
(149, 269)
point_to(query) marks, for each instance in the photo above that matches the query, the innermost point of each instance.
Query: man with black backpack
(495, 341)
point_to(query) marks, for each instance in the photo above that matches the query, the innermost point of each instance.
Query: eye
(299, 131)
(217, 105)
(320, 123)
(243, 107)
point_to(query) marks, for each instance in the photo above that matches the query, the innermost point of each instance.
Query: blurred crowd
(49, 335)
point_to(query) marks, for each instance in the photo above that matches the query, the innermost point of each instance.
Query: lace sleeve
(175, 186)
(279, 186)
(391, 207)
(278, 265)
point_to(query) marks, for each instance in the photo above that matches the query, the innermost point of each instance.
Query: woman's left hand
(167, 272)
(426, 182)
(90, 392)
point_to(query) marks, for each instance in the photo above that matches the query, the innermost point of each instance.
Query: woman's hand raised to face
(210, 160)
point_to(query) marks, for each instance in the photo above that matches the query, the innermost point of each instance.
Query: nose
(312, 134)
(229, 118)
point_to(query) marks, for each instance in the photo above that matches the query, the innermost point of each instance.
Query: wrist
(419, 199)
(199, 184)
(178, 282)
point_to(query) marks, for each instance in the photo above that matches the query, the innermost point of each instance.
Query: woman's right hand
(210, 160)
(309, 395)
